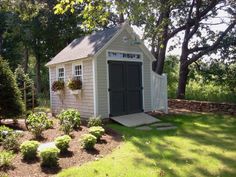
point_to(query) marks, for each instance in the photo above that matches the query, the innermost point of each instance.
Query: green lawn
(203, 145)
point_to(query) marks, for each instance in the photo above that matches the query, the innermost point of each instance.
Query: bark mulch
(76, 156)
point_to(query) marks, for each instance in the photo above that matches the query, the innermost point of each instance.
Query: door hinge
(109, 90)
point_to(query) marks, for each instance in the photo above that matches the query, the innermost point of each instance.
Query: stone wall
(202, 106)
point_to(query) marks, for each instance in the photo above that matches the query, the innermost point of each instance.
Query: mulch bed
(76, 156)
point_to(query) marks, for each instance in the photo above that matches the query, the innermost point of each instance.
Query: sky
(220, 25)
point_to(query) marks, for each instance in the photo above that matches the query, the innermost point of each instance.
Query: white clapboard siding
(85, 102)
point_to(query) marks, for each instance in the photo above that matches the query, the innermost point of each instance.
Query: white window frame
(57, 72)
(122, 58)
(73, 70)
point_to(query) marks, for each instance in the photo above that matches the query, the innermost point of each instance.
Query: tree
(26, 85)
(11, 104)
(196, 44)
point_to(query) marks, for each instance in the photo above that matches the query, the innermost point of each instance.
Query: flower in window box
(58, 86)
(75, 84)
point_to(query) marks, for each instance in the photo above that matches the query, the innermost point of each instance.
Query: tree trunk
(26, 61)
(1, 43)
(37, 72)
(183, 76)
(161, 59)
(162, 40)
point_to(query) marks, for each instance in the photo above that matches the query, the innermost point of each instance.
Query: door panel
(125, 87)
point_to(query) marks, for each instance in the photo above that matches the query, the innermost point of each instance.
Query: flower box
(58, 92)
(75, 92)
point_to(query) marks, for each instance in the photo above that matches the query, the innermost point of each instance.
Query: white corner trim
(50, 85)
(95, 95)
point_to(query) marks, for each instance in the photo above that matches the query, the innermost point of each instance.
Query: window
(61, 74)
(121, 55)
(78, 72)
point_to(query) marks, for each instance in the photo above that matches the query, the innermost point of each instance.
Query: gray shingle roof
(84, 46)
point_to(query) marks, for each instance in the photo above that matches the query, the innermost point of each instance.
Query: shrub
(74, 84)
(11, 142)
(70, 115)
(49, 124)
(29, 149)
(4, 131)
(11, 104)
(66, 127)
(37, 123)
(95, 121)
(97, 131)
(58, 85)
(49, 156)
(62, 142)
(88, 141)
(6, 158)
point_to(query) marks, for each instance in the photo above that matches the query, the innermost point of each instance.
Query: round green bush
(63, 142)
(97, 131)
(6, 158)
(88, 141)
(70, 115)
(49, 157)
(29, 149)
(95, 121)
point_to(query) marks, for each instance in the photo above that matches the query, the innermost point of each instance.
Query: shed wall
(84, 103)
(102, 75)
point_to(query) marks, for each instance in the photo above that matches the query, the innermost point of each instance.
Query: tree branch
(213, 46)
(192, 21)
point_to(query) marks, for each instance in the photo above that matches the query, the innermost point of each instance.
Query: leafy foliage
(37, 123)
(71, 116)
(88, 141)
(11, 104)
(6, 158)
(62, 142)
(66, 127)
(29, 149)
(49, 157)
(97, 131)
(74, 84)
(58, 85)
(95, 121)
(4, 131)
(11, 142)
(22, 78)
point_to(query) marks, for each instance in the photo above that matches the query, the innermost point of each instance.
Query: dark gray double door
(125, 87)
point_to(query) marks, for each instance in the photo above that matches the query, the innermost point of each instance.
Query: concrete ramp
(134, 120)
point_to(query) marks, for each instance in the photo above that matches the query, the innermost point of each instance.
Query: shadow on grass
(199, 130)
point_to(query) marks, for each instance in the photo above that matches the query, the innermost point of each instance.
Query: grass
(203, 145)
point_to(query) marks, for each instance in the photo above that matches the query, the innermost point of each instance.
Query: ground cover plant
(203, 145)
(26, 158)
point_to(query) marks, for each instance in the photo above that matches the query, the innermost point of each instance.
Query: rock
(46, 145)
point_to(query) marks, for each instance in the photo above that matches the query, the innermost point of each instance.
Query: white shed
(116, 71)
